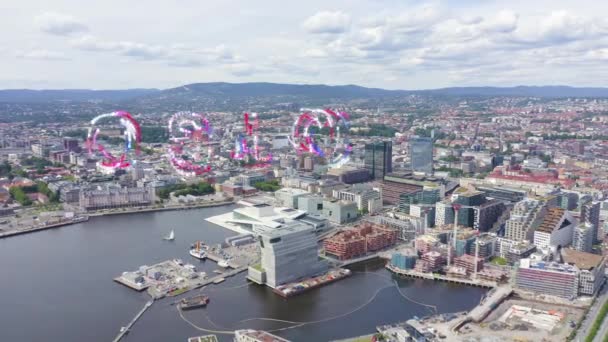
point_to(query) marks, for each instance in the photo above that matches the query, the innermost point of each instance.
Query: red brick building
(367, 237)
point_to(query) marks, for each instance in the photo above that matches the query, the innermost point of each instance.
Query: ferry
(195, 302)
(198, 251)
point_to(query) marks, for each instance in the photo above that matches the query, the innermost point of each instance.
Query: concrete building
(556, 230)
(583, 237)
(568, 200)
(378, 159)
(312, 204)
(554, 279)
(367, 196)
(340, 211)
(115, 196)
(349, 175)
(288, 197)
(289, 253)
(592, 269)
(421, 155)
(444, 213)
(590, 212)
(488, 214)
(525, 217)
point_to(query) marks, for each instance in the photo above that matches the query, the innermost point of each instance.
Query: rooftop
(550, 221)
(582, 260)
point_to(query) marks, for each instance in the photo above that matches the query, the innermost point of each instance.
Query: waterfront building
(340, 211)
(255, 217)
(468, 262)
(552, 278)
(404, 261)
(289, 252)
(406, 228)
(358, 241)
(487, 246)
(556, 229)
(250, 335)
(434, 260)
(115, 196)
(421, 155)
(425, 243)
(378, 158)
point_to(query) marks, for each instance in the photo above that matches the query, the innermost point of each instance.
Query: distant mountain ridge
(219, 90)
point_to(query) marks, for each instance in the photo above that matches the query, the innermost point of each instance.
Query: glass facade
(378, 158)
(421, 155)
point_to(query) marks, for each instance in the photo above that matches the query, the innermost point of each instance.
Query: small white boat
(222, 263)
(171, 236)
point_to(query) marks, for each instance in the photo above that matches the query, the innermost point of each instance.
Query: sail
(172, 235)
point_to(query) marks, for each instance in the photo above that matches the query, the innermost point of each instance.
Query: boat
(171, 236)
(223, 263)
(195, 302)
(198, 252)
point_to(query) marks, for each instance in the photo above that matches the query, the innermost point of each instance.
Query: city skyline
(389, 44)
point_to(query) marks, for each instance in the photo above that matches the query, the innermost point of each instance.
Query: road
(582, 333)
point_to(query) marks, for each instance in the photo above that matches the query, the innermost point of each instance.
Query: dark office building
(71, 145)
(379, 158)
(466, 216)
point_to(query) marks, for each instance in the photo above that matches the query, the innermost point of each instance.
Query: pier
(125, 329)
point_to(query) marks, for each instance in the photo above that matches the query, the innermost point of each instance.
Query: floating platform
(296, 288)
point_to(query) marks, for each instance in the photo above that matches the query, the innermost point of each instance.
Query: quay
(44, 227)
(125, 330)
(430, 276)
(154, 209)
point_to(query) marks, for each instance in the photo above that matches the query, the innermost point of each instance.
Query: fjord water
(56, 285)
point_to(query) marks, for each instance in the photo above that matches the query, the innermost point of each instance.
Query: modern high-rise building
(554, 279)
(583, 237)
(379, 158)
(289, 253)
(590, 212)
(467, 216)
(421, 155)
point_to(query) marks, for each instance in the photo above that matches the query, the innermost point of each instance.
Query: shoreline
(86, 217)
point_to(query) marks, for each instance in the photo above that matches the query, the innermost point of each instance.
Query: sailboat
(171, 236)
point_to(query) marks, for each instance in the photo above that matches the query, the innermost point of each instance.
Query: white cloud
(59, 24)
(327, 22)
(413, 46)
(42, 55)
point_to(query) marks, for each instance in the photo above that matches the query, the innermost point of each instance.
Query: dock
(431, 276)
(127, 328)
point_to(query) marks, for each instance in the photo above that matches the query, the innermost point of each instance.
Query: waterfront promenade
(83, 217)
(432, 276)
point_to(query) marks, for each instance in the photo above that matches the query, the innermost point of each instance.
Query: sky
(393, 44)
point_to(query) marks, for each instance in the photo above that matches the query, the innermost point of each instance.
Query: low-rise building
(552, 278)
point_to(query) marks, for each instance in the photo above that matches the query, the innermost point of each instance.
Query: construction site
(512, 320)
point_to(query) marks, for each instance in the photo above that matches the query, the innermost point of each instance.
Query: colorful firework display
(132, 137)
(242, 148)
(187, 153)
(308, 135)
